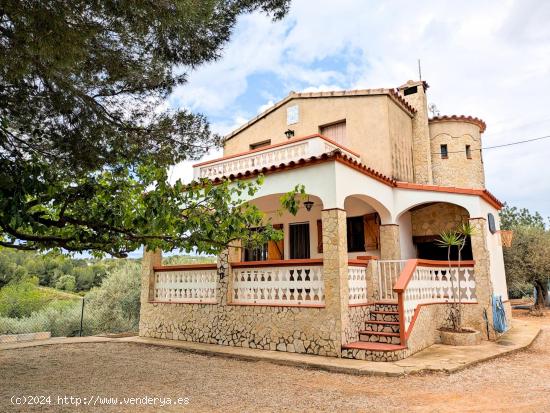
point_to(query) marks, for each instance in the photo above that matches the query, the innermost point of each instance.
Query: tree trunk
(542, 293)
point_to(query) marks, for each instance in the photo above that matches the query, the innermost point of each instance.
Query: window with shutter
(335, 131)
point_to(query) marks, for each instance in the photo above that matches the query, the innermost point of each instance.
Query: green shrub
(61, 318)
(115, 305)
(21, 299)
(66, 282)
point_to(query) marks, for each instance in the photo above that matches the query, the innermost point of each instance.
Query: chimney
(414, 92)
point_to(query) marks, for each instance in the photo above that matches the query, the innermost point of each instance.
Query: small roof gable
(391, 93)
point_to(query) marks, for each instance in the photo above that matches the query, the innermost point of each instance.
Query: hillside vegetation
(45, 292)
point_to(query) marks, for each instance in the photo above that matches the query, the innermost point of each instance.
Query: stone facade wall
(433, 219)
(433, 316)
(390, 248)
(335, 268)
(299, 330)
(482, 268)
(292, 329)
(357, 316)
(457, 169)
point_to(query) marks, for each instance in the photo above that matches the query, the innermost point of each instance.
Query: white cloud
(265, 106)
(489, 59)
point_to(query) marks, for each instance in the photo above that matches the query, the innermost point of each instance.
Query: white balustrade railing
(388, 273)
(186, 286)
(437, 285)
(279, 285)
(357, 284)
(291, 151)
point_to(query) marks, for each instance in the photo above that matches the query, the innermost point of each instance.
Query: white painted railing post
(299, 284)
(186, 284)
(357, 281)
(274, 155)
(388, 273)
(437, 284)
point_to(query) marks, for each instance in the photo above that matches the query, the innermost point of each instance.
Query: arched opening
(301, 231)
(363, 220)
(421, 226)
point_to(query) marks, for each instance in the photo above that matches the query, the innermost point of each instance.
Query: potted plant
(454, 333)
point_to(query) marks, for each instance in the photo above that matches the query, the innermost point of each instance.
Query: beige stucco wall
(373, 124)
(436, 218)
(457, 170)
(274, 214)
(400, 130)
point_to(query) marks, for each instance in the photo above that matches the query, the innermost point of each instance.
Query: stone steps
(384, 316)
(361, 350)
(382, 326)
(380, 340)
(379, 337)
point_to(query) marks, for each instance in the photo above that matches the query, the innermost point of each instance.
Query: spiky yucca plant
(449, 239)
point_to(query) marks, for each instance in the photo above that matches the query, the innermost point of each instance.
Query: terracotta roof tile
(461, 118)
(401, 99)
(338, 156)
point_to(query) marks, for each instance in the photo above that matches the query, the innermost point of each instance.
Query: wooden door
(275, 249)
(372, 231)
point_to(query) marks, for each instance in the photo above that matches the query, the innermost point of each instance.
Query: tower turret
(414, 92)
(456, 151)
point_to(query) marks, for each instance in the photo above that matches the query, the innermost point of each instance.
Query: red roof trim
(346, 160)
(335, 156)
(402, 100)
(460, 118)
(483, 193)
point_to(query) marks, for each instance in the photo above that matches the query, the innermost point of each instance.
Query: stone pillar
(335, 269)
(372, 281)
(226, 257)
(224, 277)
(235, 252)
(482, 273)
(150, 260)
(390, 248)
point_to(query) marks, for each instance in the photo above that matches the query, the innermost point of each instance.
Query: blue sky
(489, 59)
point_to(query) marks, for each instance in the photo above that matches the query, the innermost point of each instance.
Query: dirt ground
(518, 382)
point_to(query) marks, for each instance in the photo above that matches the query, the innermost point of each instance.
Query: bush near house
(112, 307)
(26, 305)
(527, 261)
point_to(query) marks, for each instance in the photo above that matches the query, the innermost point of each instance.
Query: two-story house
(359, 273)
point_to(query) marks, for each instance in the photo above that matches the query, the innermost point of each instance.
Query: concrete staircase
(380, 340)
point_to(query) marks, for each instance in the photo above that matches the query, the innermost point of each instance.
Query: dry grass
(516, 383)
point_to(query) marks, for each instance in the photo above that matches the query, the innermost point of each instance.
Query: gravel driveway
(516, 383)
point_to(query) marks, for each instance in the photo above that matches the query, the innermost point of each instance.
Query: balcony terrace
(265, 157)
